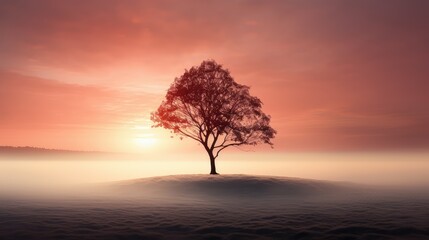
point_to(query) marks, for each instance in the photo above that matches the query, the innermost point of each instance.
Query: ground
(218, 207)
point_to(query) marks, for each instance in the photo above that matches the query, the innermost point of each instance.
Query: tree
(208, 106)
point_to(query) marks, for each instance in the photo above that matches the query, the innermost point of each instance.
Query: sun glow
(146, 140)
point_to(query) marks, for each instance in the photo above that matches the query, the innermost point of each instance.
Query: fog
(116, 196)
(58, 172)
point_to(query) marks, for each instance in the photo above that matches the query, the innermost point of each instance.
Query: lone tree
(207, 105)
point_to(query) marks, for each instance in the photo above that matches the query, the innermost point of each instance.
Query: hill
(230, 186)
(27, 150)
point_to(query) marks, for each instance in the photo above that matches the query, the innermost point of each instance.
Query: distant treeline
(37, 150)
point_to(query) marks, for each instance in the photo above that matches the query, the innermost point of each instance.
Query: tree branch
(228, 145)
(188, 135)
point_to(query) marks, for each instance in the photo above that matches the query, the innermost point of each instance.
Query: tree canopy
(208, 106)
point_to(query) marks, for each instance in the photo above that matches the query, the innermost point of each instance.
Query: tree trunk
(212, 163)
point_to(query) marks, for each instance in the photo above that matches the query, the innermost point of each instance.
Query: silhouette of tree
(208, 106)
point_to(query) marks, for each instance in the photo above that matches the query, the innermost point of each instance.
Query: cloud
(333, 74)
(31, 102)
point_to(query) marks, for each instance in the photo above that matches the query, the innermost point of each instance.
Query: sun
(145, 141)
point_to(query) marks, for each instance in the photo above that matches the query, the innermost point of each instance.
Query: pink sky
(334, 75)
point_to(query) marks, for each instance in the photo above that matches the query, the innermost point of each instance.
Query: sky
(333, 75)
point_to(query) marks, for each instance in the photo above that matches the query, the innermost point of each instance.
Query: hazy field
(88, 196)
(218, 207)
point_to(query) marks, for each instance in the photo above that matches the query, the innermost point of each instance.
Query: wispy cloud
(333, 74)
